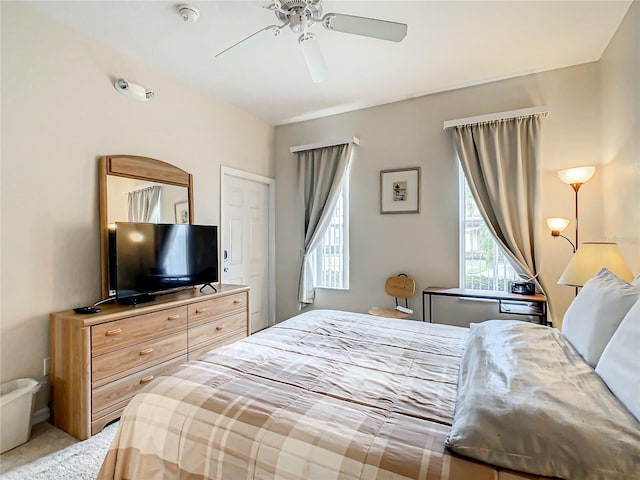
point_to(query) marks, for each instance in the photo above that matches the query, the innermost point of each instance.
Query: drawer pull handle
(220, 327)
(201, 310)
(237, 301)
(111, 333)
(146, 379)
(173, 317)
(146, 351)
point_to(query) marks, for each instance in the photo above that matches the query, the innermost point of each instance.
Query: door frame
(271, 261)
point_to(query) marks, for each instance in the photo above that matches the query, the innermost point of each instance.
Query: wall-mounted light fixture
(132, 90)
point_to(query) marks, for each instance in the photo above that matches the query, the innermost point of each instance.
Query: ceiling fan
(300, 15)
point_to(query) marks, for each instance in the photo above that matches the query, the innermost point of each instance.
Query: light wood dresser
(100, 361)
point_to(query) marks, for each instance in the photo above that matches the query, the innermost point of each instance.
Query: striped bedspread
(324, 395)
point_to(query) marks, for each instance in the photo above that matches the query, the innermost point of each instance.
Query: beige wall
(620, 67)
(60, 112)
(595, 111)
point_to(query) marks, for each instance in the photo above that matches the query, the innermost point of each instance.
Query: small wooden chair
(399, 286)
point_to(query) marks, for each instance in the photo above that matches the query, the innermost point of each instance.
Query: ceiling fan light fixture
(299, 22)
(313, 57)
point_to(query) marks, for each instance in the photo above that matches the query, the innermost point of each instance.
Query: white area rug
(80, 461)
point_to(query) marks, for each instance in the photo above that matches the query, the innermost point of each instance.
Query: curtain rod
(312, 146)
(524, 112)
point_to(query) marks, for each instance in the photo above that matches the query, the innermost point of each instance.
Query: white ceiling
(450, 44)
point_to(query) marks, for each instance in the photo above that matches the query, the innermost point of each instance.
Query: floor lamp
(576, 177)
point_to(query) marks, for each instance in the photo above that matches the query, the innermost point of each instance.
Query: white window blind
(332, 255)
(483, 264)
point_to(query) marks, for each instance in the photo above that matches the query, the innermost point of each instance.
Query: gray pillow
(529, 402)
(596, 312)
(619, 365)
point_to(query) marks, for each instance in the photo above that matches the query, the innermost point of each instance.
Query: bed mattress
(323, 395)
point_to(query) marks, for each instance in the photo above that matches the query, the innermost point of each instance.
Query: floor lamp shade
(590, 258)
(557, 225)
(577, 175)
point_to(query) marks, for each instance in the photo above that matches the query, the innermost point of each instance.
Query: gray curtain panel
(321, 173)
(144, 205)
(500, 160)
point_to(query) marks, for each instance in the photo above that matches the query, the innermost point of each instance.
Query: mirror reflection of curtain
(175, 251)
(144, 205)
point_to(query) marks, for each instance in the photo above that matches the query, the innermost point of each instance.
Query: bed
(337, 395)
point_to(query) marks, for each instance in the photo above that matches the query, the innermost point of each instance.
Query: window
(332, 255)
(483, 265)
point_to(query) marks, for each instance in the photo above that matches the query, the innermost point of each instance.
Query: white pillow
(596, 312)
(619, 365)
(636, 281)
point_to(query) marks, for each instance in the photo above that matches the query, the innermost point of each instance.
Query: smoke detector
(188, 13)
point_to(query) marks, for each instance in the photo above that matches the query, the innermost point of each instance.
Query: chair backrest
(400, 287)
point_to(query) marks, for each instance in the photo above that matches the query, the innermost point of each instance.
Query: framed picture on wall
(400, 190)
(182, 212)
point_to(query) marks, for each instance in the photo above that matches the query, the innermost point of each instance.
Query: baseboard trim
(40, 415)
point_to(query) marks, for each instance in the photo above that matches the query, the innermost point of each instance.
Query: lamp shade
(557, 224)
(577, 175)
(590, 258)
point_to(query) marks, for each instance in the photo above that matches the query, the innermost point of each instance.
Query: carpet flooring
(80, 461)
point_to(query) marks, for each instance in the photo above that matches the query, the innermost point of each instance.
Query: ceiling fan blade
(368, 27)
(253, 39)
(313, 57)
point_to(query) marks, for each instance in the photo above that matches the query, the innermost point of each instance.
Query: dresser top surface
(115, 311)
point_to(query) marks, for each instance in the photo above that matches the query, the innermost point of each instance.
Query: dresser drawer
(115, 395)
(200, 350)
(111, 366)
(209, 310)
(217, 329)
(111, 336)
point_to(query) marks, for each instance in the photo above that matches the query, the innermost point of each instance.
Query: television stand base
(138, 299)
(208, 285)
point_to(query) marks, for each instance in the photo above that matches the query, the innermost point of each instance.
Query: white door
(247, 236)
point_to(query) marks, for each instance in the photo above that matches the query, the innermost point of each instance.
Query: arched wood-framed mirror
(139, 189)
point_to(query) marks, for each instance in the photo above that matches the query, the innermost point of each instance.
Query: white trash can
(16, 406)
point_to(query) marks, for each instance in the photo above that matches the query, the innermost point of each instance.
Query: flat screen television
(151, 258)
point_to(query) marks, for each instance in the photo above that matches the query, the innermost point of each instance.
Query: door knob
(225, 256)
(226, 269)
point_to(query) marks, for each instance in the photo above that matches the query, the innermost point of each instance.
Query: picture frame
(400, 190)
(182, 212)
